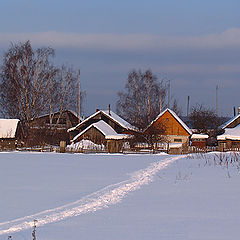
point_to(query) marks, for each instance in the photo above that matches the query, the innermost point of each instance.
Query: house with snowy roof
(103, 127)
(230, 139)
(11, 133)
(175, 130)
(231, 123)
(119, 125)
(101, 133)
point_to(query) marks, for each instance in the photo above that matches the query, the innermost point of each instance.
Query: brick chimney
(238, 110)
(109, 109)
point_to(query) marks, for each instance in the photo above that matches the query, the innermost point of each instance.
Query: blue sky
(194, 43)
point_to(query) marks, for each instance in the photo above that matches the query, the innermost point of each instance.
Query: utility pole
(79, 95)
(168, 93)
(188, 103)
(217, 100)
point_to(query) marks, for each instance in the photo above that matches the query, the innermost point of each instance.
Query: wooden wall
(173, 127)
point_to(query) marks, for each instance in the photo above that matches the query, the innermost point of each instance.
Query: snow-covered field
(104, 196)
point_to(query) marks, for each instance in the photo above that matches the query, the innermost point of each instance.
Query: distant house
(51, 129)
(119, 125)
(230, 139)
(176, 131)
(232, 123)
(11, 133)
(102, 133)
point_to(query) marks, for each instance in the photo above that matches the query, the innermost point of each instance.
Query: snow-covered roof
(226, 124)
(105, 129)
(175, 145)
(8, 128)
(47, 114)
(113, 116)
(176, 117)
(199, 136)
(230, 133)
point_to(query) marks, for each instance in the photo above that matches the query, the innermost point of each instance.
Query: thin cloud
(125, 42)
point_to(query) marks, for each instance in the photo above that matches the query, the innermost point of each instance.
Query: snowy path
(103, 198)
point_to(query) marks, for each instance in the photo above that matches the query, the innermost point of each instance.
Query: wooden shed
(199, 140)
(11, 134)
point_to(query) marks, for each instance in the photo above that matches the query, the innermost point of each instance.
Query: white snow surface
(199, 136)
(85, 144)
(8, 128)
(114, 196)
(230, 133)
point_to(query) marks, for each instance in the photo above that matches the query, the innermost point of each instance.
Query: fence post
(62, 147)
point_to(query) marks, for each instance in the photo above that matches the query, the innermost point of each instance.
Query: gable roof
(58, 112)
(105, 129)
(8, 128)
(175, 116)
(199, 136)
(113, 116)
(226, 124)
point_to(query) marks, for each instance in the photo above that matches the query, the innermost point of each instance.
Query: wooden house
(51, 129)
(11, 133)
(232, 123)
(119, 125)
(175, 130)
(101, 133)
(230, 139)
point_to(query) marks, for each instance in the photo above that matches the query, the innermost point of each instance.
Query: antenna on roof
(79, 96)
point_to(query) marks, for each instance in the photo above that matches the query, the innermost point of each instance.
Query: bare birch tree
(142, 99)
(25, 77)
(31, 85)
